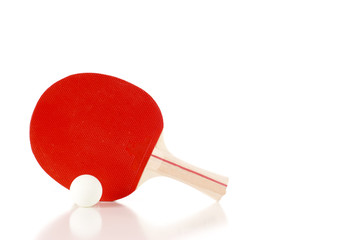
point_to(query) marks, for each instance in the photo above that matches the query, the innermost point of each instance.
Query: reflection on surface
(85, 222)
(115, 221)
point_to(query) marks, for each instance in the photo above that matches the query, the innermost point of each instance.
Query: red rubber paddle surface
(99, 125)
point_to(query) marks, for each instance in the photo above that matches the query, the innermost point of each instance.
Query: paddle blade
(98, 125)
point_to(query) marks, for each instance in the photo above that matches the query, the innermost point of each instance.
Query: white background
(265, 92)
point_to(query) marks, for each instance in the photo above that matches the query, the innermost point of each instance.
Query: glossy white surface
(86, 190)
(264, 92)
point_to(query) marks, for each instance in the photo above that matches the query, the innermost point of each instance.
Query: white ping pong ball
(86, 190)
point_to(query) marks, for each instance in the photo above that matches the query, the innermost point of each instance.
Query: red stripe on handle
(189, 170)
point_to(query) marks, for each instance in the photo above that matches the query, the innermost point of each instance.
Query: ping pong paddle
(106, 127)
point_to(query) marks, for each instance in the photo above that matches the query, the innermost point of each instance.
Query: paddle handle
(163, 163)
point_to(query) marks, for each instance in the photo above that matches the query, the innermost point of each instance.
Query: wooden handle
(163, 163)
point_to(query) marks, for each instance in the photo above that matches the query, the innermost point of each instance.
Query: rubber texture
(99, 125)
